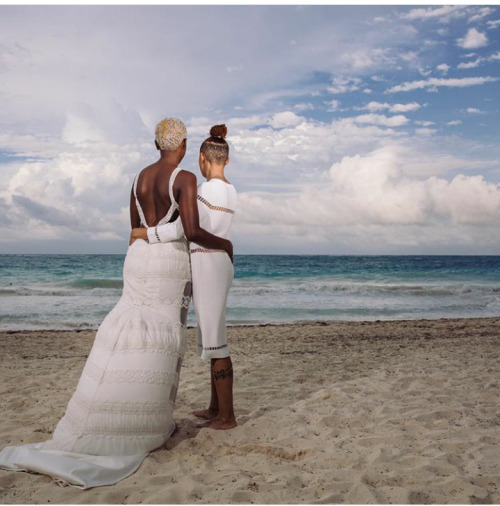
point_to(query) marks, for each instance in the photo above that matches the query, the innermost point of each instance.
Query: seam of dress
(214, 208)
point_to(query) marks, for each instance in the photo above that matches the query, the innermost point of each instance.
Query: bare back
(152, 190)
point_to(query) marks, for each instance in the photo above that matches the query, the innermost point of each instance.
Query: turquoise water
(77, 291)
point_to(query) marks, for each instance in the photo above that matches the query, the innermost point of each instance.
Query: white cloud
(409, 56)
(465, 199)
(473, 39)
(425, 123)
(382, 120)
(42, 212)
(431, 43)
(434, 82)
(443, 67)
(424, 72)
(470, 64)
(12, 54)
(425, 131)
(454, 122)
(342, 84)
(333, 105)
(71, 181)
(394, 108)
(367, 199)
(413, 106)
(376, 106)
(109, 123)
(443, 14)
(495, 56)
(303, 106)
(83, 191)
(368, 91)
(368, 58)
(234, 68)
(31, 146)
(277, 98)
(474, 110)
(202, 126)
(76, 195)
(493, 24)
(285, 119)
(267, 149)
(481, 13)
(262, 154)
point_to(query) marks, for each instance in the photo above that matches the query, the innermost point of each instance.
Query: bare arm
(135, 220)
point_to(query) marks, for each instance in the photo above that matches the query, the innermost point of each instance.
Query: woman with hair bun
(212, 274)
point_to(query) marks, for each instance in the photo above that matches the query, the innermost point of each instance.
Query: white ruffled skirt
(123, 405)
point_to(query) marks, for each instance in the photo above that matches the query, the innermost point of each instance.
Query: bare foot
(219, 424)
(207, 414)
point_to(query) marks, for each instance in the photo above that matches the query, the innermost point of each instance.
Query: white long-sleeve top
(217, 202)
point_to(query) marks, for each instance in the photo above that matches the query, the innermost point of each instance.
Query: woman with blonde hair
(123, 405)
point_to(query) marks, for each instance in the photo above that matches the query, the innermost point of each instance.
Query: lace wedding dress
(123, 405)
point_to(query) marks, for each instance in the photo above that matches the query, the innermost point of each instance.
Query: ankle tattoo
(223, 373)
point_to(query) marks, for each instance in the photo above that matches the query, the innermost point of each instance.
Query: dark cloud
(4, 210)
(42, 212)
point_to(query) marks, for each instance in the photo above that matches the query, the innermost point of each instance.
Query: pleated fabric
(123, 404)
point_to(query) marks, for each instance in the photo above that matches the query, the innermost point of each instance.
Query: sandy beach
(340, 412)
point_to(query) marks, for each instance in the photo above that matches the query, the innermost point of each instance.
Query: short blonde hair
(169, 133)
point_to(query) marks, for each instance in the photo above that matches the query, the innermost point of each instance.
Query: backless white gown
(123, 405)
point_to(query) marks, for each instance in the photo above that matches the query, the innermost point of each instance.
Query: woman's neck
(215, 171)
(169, 158)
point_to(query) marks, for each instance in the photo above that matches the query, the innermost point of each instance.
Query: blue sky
(353, 130)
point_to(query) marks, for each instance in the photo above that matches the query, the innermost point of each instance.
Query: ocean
(77, 291)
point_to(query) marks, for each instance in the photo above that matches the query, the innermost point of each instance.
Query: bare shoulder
(185, 179)
(150, 167)
(147, 169)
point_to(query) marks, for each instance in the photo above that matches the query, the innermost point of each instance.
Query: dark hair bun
(218, 131)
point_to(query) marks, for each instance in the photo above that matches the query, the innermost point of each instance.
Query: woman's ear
(227, 161)
(157, 145)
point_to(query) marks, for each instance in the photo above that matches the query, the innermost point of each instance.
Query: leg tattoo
(223, 373)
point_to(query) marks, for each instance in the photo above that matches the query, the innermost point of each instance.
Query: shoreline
(282, 324)
(399, 411)
(123, 253)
